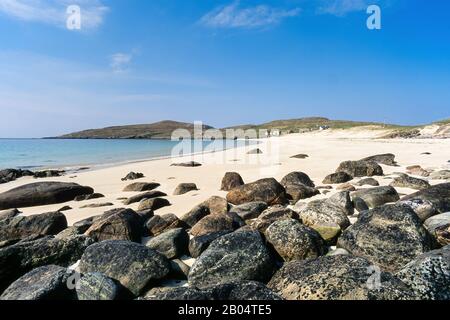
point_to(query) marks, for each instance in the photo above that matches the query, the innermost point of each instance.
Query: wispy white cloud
(119, 62)
(233, 16)
(54, 11)
(343, 7)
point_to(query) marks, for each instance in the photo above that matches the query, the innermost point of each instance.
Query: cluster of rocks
(261, 242)
(8, 175)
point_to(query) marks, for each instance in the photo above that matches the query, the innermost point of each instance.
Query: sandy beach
(326, 150)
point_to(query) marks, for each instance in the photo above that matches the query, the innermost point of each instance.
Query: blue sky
(221, 62)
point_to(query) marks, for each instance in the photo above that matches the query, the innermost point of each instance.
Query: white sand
(326, 151)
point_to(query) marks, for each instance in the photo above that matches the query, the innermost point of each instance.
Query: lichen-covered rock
(438, 195)
(132, 264)
(337, 277)
(217, 222)
(199, 244)
(117, 224)
(272, 214)
(429, 275)
(359, 204)
(377, 196)
(24, 256)
(231, 180)
(389, 236)
(266, 190)
(20, 227)
(337, 178)
(172, 243)
(360, 168)
(294, 241)
(249, 211)
(343, 200)
(44, 283)
(236, 256)
(98, 287)
(324, 211)
(405, 181)
(294, 178)
(437, 221)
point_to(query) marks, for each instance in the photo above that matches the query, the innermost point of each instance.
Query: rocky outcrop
(360, 168)
(389, 236)
(41, 193)
(337, 277)
(231, 180)
(132, 264)
(236, 256)
(294, 241)
(265, 190)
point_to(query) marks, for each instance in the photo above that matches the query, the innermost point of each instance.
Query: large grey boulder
(429, 275)
(117, 224)
(294, 241)
(360, 168)
(337, 277)
(377, 196)
(43, 283)
(266, 190)
(236, 256)
(324, 212)
(24, 256)
(438, 195)
(41, 193)
(172, 243)
(199, 244)
(20, 227)
(133, 265)
(389, 236)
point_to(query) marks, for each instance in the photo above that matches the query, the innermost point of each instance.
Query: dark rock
(255, 151)
(405, 181)
(361, 168)
(49, 173)
(216, 205)
(231, 180)
(41, 193)
(272, 214)
(159, 224)
(321, 212)
(153, 204)
(22, 257)
(132, 264)
(377, 196)
(297, 192)
(191, 164)
(86, 223)
(423, 208)
(337, 277)
(65, 208)
(437, 221)
(438, 195)
(199, 244)
(429, 275)
(97, 205)
(141, 186)
(179, 270)
(346, 187)
(386, 159)
(389, 236)
(8, 214)
(343, 200)
(184, 188)
(8, 175)
(118, 224)
(442, 234)
(98, 287)
(142, 196)
(233, 257)
(172, 243)
(294, 241)
(417, 171)
(251, 210)
(328, 231)
(243, 291)
(20, 227)
(44, 283)
(337, 178)
(300, 156)
(368, 182)
(176, 294)
(266, 190)
(360, 205)
(133, 176)
(217, 222)
(294, 178)
(195, 215)
(89, 197)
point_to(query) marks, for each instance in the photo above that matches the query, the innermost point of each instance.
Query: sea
(60, 153)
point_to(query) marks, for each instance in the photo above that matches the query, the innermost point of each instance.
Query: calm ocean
(52, 153)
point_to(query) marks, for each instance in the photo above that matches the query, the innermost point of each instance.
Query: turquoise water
(51, 153)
